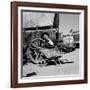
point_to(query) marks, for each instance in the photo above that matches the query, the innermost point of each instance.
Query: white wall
(5, 46)
(68, 22)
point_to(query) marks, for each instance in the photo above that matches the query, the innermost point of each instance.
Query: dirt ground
(60, 69)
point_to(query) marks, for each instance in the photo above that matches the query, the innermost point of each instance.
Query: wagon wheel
(36, 55)
(37, 42)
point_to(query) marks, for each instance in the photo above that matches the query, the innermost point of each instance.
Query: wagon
(43, 56)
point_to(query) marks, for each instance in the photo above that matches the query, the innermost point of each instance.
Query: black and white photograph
(50, 43)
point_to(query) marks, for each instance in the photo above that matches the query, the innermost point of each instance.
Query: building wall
(66, 21)
(33, 19)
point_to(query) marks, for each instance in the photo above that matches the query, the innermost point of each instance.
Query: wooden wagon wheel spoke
(36, 54)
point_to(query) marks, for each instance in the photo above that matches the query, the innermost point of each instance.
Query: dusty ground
(61, 69)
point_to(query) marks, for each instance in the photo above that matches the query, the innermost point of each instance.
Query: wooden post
(56, 24)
